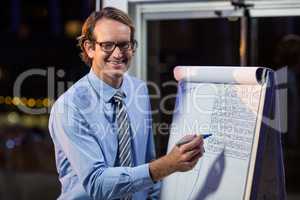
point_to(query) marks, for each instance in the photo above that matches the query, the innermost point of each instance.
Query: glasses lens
(107, 46)
(124, 45)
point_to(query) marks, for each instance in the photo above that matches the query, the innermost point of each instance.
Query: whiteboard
(226, 102)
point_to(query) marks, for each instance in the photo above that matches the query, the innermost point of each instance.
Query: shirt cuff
(142, 178)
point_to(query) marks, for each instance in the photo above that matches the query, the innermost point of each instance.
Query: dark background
(35, 35)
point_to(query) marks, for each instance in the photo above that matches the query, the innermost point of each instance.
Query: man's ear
(89, 48)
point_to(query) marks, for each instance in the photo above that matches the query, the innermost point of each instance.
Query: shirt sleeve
(70, 131)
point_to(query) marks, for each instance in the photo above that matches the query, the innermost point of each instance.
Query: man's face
(111, 66)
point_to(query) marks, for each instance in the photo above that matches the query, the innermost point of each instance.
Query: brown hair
(87, 32)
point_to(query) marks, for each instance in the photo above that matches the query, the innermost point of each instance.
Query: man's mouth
(117, 64)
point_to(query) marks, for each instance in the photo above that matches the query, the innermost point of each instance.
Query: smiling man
(101, 126)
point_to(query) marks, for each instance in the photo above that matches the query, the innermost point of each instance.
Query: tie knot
(118, 97)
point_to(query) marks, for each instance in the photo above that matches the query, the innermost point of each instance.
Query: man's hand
(181, 159)
(186, 156)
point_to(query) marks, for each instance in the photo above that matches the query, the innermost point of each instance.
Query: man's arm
(68, 130)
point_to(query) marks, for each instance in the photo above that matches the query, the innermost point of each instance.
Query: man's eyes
(124, 44)
(108, 44)
(121, 44)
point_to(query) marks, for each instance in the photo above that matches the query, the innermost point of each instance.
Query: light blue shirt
(81, 126)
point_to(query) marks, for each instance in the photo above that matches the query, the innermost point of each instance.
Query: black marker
(185, 140)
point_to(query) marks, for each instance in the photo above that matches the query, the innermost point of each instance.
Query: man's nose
(117, 52)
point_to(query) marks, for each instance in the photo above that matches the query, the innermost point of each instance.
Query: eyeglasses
(109, 47)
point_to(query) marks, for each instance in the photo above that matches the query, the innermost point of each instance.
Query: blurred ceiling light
(46, 102)
(72, 28)
(39, 103)
(2, 99)
(23, 101)
(16, 101)
(31, 102)
(8, 100)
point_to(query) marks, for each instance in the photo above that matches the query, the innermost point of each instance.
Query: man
(101, 127)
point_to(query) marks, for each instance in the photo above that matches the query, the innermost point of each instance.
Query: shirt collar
(105, 91)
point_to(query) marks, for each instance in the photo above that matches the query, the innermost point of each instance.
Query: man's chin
(119, 66)
(120, 70)
(118, 73)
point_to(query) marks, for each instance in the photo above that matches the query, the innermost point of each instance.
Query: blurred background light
(23, 101)
(46, 102)
(73, 28)
(10, 144)
(2, 99)
(31, 102)
(16, 101)
(13, 118)
(8, 100)
(39, 103)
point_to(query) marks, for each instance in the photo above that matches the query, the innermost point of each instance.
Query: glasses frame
(133, 46)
